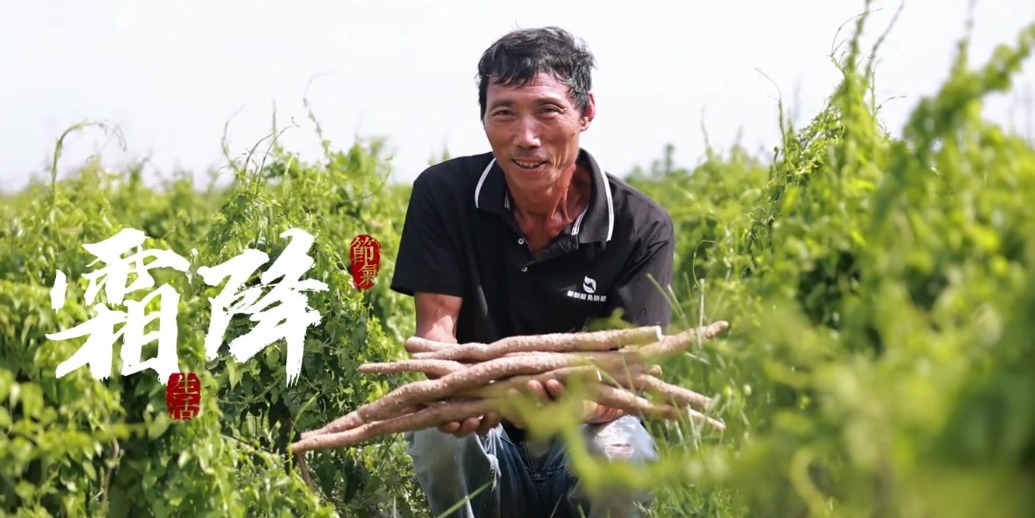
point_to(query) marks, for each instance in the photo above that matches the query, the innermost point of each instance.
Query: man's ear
(588, 113)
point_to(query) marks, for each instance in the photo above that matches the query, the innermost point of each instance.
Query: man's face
(534, 130)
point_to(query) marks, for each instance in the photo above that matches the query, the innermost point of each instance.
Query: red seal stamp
(365, 261)
(183, 396)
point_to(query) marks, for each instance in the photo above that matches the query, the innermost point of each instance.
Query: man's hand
(549, 392)
(480, 425)
(593, 413)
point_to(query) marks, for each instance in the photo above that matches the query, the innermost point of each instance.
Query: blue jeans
(525, 479)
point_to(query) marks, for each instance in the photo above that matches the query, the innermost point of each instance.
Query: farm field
(880, 362)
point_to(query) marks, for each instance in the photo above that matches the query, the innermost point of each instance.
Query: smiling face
(534, 131)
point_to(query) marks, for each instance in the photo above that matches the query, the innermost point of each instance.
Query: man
(531, 238)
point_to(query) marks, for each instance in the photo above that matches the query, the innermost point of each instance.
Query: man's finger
(450, 427)
(465, 428)
(469, 425)
(555, 388)
(537, 388)
(489, 421)
(602, 414)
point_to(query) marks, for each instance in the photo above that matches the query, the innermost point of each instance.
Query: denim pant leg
(450, 469)
(622, 440)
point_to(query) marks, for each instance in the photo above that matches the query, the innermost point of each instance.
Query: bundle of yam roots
(617, 368)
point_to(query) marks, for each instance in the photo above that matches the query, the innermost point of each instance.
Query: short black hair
(518, 56)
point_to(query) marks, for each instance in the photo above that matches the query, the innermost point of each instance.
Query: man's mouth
(530, 165)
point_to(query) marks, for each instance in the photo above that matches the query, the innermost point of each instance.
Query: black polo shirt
(460, 238)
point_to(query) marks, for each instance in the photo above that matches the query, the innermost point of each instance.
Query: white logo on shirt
(589, 285)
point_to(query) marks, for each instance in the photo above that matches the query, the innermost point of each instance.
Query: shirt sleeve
(643, 302)
(427, 260)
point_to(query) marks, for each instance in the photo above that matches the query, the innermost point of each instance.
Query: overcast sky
(171, 74)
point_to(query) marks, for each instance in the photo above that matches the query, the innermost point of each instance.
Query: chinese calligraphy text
(183, 396)
(365, 260)
(277, 304)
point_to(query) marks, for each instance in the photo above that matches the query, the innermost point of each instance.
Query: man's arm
(436, 320)
(429, 268)
(436, 316)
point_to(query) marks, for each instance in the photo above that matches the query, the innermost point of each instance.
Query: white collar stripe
(478, 189)
(610, 205)
(578, 222)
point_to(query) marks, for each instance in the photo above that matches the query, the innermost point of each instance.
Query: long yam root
(487, 371)
(579, 374)
(416, 344)
(426, 418)
(346, 422)
(472, 377)
(424, 391)
(634, 379)
(617, 398)
(440, 413)
(680, 342)
(673, 393)
(555, 342)
(582, 373)
(437, 368)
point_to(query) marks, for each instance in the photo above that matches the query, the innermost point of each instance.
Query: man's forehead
(542, 85)
(541, 78)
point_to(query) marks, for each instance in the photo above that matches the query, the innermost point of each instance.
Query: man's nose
(527, 132)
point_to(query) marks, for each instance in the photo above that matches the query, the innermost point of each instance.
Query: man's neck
(543, 215)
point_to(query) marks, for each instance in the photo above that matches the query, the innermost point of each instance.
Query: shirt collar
(595, 224)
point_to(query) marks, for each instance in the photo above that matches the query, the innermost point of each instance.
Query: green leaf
(158, 426)
(233, 373)
(32, 399)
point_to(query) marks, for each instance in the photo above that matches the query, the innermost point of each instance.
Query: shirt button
(521, 241)
(524, 268)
